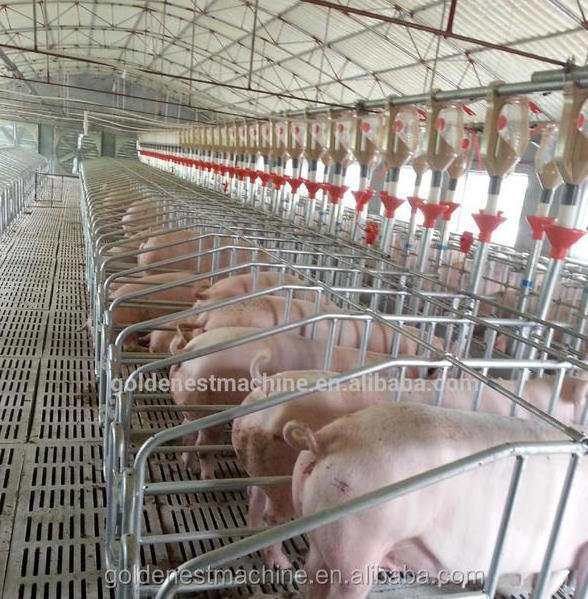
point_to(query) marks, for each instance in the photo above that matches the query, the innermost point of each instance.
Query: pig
(246, 283)
(151, 252)
(118, 197)
(569, 408)
(133, 243)
(139, 216)
(160, 341)
(263, 312)
(268, 311)
(262, 451)
(450, 525)
(283, 351)
(126, 315)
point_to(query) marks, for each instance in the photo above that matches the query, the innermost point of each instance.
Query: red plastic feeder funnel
(487, 223)
(371, 232)
(450, 208)
(538, 224)
(312, 187)
(278, 181)
(295, 184)
(325, 187)
(336, 192)
(466, 241)
(362, 197)
(562, 239)
(431, 212)
(264, 177)
(391, 203)
(415, 204)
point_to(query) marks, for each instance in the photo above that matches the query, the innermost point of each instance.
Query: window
(471, 194)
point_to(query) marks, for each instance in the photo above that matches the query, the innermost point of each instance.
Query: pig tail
(262, 357)
(300, 436)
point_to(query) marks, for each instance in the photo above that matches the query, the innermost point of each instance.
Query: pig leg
(351, 561)
(354, 576)
(257, 501)
(256, 518)
(261, 513)
(190, 458)
(209, 436)
(314, 565)
(278, 509)
(274, 554)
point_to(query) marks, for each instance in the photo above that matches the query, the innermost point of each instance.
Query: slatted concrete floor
(51, 485)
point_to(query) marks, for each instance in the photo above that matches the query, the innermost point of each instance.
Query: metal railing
(370, 291)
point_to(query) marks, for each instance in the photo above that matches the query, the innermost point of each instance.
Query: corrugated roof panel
(501, 20)
(461, 72)
(407, 81)
(314, 20)
(573, 44)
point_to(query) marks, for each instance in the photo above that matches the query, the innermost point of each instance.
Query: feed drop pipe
(317, 149)
(571, 157)
(445, 136)
(420, 165)
(506, 136)
(296, 149)
(266, 151)
(456, 170)
(400, 141)
(368, 140)
(342, 136)
(550, 180)
(281, 155)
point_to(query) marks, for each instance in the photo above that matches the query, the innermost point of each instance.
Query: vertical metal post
(543, 578)
(494, 571)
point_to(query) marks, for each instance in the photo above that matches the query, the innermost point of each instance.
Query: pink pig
(229, 369)
(263, 452)
(451, 525)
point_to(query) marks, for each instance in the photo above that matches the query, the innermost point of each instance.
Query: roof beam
(142, 69)
(433, 30)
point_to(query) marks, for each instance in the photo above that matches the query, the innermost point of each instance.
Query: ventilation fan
(73, 146)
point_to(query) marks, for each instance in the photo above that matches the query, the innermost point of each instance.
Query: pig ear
(179, 341)
(300, 436)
